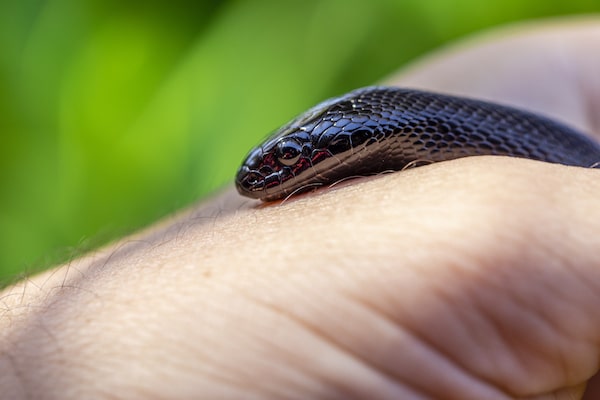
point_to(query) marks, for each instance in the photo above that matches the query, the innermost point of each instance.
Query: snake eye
(288, 152)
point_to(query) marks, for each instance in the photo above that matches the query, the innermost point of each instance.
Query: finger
(549, 67)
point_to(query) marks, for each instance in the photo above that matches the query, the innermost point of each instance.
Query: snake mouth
(266, 186)
(263, 184)
(269, 185)
(262, 177)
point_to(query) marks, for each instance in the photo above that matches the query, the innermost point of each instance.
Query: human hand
(477, 278)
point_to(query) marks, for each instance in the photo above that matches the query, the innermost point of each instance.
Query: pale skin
(472, 279)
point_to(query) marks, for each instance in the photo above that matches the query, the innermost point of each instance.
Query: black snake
(378, 129)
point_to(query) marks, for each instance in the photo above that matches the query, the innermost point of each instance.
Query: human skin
(477, 278)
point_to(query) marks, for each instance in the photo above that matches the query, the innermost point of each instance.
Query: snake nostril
(250, 183)
(253, 179)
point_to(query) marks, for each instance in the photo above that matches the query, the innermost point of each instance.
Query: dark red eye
(288, 152)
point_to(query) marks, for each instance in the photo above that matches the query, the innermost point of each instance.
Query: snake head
(287, 161)
(270, 169)
(312, 150)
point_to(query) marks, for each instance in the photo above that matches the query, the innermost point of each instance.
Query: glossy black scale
(378, 129)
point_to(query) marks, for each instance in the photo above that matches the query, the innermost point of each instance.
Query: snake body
(376, 129)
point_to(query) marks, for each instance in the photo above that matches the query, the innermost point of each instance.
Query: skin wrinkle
(480, 314)
(551, 256)
(319, 333)
(586, 284)
(542, 312)
(515, 302)
(573, 271)
(254, 301)
(209, 369)
(313, 328)
(423, 342)
(500, 333)
(166, 342)
(464, 365)
(268, 341)
(502, 338)
(526, 359)
(423, 393)
(440, 292)
(537, 312)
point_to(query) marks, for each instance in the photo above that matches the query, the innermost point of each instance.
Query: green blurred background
(113, 114)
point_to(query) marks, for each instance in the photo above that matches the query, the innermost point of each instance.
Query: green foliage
(113, 115)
